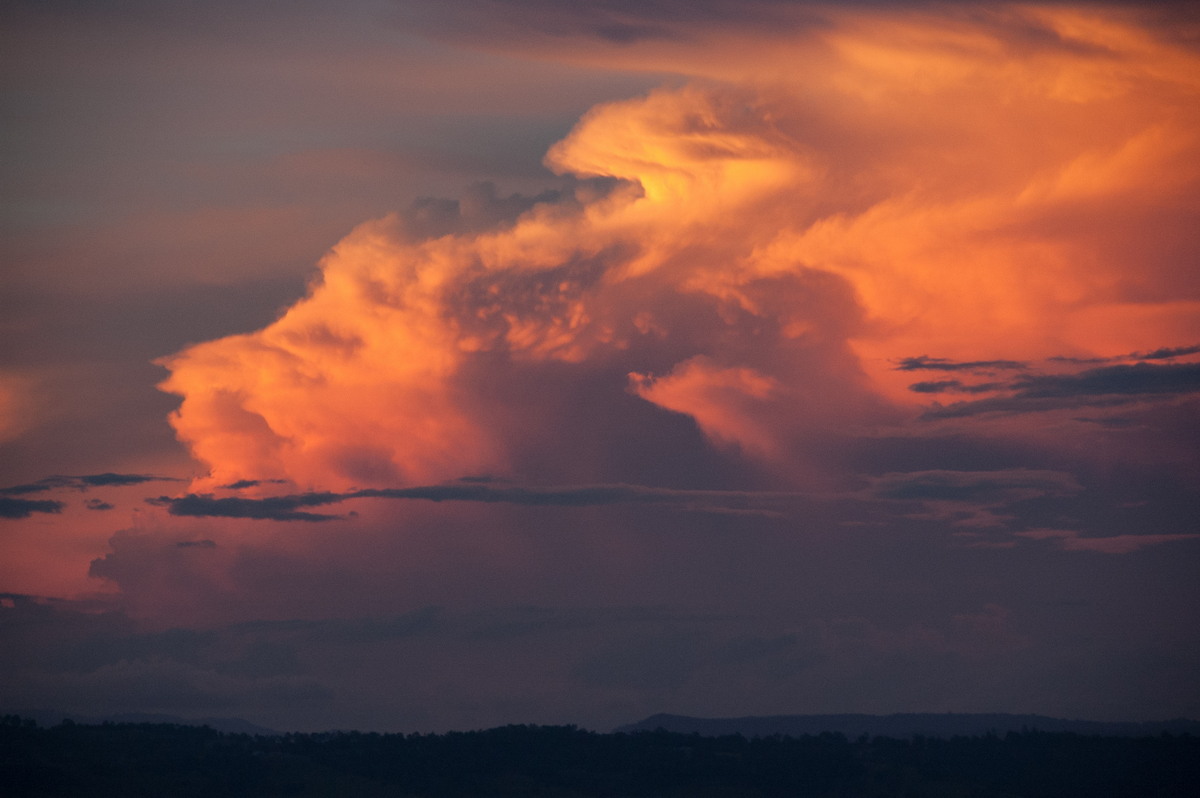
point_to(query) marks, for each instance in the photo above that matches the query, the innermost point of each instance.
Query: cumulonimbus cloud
(772, 238)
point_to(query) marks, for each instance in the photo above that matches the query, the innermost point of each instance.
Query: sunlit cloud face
(782, 232)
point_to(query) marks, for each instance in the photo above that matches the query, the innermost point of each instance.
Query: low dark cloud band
(291, 508)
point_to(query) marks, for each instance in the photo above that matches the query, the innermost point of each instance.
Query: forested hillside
(158, 759)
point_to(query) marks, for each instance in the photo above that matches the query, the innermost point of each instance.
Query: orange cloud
(717, 398)
(1005, 184)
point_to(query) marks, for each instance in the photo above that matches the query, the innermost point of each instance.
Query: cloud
(679, 366)
(286, 508)
(992, 486)
(972, 499)
(749, 251)
(23, 508)
(1136, 379)
(1105, 386)
(84, 482)
(953, 386)
(276, 508)
(16, 508)
(93, 480)
(1161, 353)
(720, 399)
(243, 483)
(1072, 540)
(943, 364)
(1166, 353)
(32, 487)
(1119, 544)
(482, 208)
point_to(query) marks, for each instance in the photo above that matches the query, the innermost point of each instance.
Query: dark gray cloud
(1166, 353)
(578, 495)
(1105, 386)
(275, 508)
(12, 507)
(23, 508)
(1138, 378)
(289, 508)
(926, 363)
(30, 487)
(107, 479)
(242, 484)
(973, 486)
(121, 479)
(1162, 353)
(953, 386)
(973, 500)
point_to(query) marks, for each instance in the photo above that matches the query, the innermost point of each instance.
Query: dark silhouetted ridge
(146, 759)
(924, 724)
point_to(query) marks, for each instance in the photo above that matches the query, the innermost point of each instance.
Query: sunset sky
(414, 366)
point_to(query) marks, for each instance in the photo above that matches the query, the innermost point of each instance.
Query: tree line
(143, 759)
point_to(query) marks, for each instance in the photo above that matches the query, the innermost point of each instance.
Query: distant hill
(904, 725)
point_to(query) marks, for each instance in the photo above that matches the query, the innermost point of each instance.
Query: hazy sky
(413, 366)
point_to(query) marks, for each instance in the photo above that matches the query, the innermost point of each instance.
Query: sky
(405, 366)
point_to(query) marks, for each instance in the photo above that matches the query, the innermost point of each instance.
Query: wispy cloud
(1004, 485)
(953, 386)
(290, 508)
(275, 508)
(1104, 386)
(83, 482)
(13, 507)
(1072, 540)
(1162, 353)
(196, 544)
(243, 484)
(973, 499)
(926, 363)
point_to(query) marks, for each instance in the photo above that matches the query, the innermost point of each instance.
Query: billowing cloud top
(773, 237)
